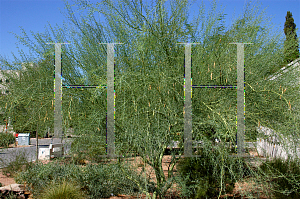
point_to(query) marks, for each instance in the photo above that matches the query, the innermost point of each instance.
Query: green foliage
(63, 190)
(2, 118)
(30, 100)
(203, 178)
(284, 176)
(6, 139)
(39, 176)
(104, 180)
(9, 195)
(88, 147)
(96, 181)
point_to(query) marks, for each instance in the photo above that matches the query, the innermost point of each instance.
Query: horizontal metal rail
(212, 86)
(84, 86)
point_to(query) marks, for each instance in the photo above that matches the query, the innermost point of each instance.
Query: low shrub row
(96, 181)
(208, 176)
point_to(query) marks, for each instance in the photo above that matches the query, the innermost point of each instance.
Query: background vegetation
(6, 139)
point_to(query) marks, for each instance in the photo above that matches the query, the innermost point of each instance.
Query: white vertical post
(110, 125)
(240, 99)
(58, 92)
(188, 128)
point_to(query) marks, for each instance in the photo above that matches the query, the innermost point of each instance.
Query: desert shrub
(6, 139)
(39, 176)
(104, 180)
(284, 176)
(62, 190)
(210, 174)
(96, 181)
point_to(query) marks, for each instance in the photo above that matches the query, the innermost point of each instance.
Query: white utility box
(24, 139)
(54, 151)
(44, 154)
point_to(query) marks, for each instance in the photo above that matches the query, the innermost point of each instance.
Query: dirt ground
(4, 180)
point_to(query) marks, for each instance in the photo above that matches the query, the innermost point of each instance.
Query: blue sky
(34, 15)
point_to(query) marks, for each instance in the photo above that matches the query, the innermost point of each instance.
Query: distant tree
(29, 103)
(291, 45)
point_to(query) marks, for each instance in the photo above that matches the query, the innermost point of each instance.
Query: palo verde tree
(291, 46)
(149, 81)
(149, 85)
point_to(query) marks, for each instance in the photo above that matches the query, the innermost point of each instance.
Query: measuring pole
(57, 93)
(110, 125)
(240, 99)
(188, 144)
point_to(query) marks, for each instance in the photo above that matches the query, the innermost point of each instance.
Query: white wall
(275, 145)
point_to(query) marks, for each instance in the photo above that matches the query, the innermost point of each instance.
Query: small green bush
(104, 180)
(39, 176)
(63, 190)
(201, 176)
(284, 177)
(6, 139)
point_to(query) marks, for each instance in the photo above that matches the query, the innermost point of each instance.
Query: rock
(13, 187)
